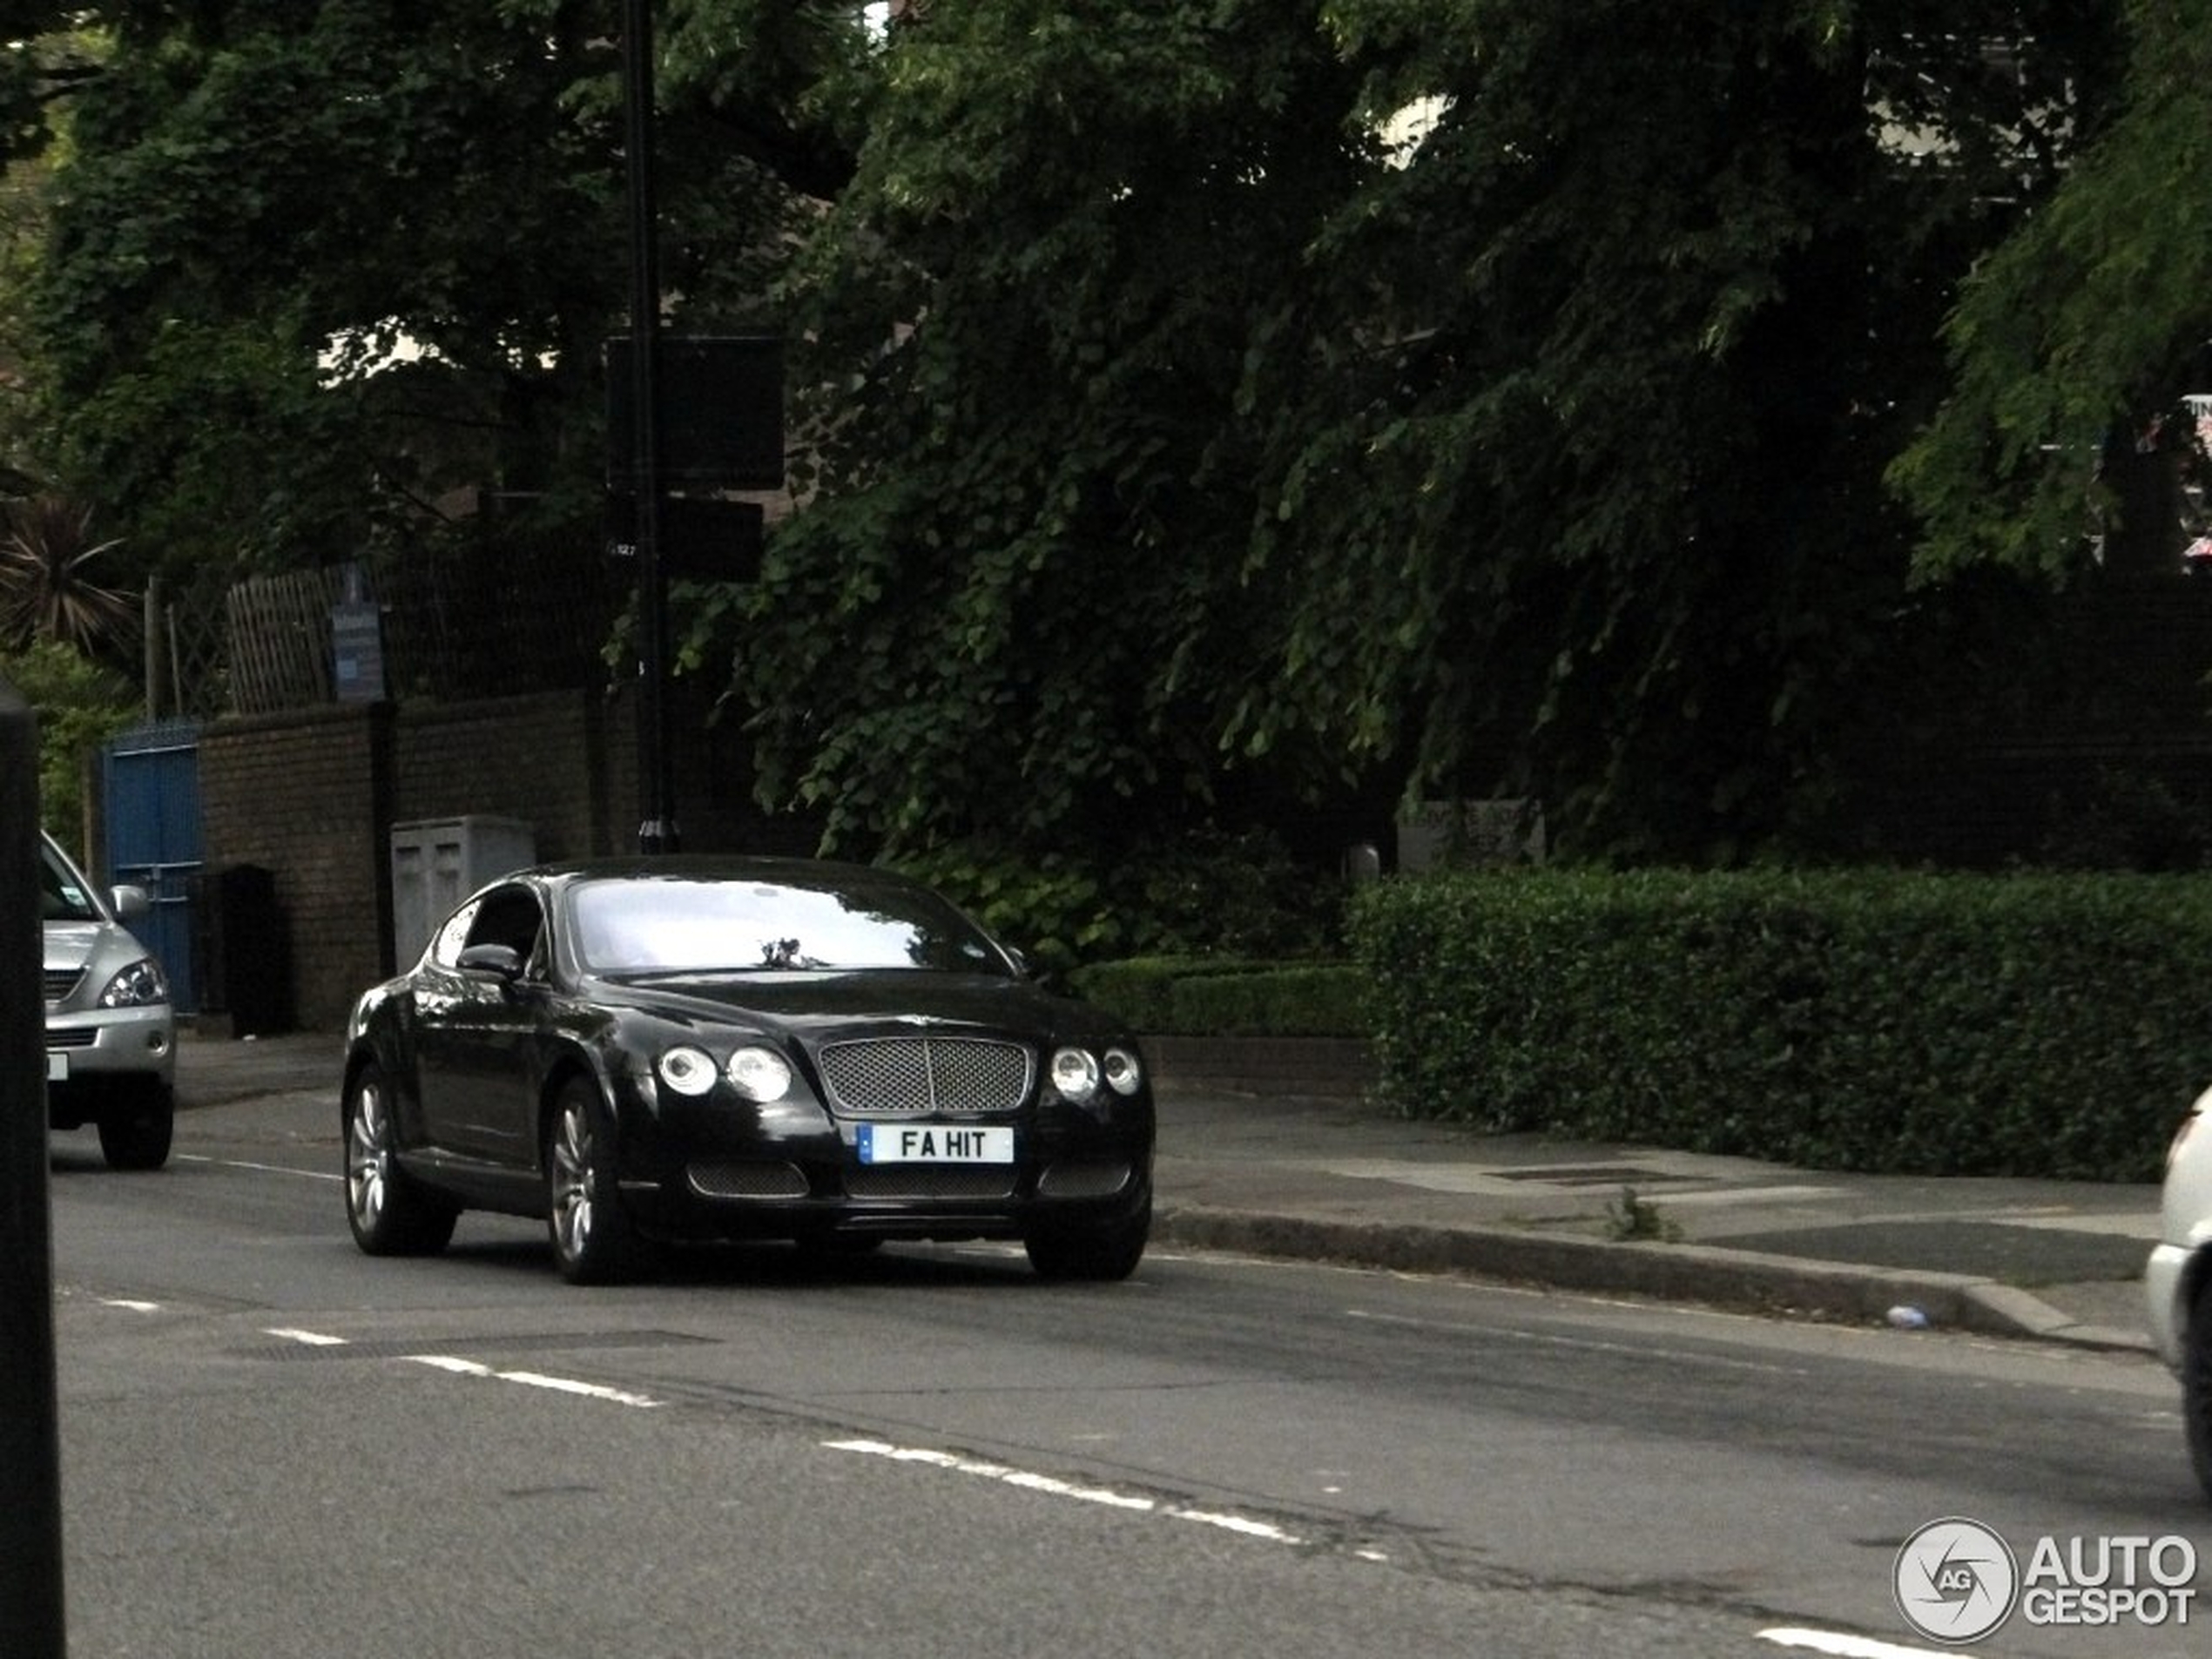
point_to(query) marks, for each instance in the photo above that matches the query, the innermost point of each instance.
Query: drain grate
(1603, 1175)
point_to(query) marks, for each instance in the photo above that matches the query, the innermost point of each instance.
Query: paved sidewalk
(1282, 1175)
(1342, 1180)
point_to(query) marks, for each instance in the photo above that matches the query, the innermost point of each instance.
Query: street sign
(719, 413)
(702, 539)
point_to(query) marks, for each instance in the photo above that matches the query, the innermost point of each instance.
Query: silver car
(111, 1033)
(2178, 1278)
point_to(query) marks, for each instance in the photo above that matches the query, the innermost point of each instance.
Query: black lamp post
(656, 830)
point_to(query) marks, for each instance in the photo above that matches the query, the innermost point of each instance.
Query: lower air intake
(735, 1180)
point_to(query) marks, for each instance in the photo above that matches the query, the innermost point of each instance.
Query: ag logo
(1956, 1581)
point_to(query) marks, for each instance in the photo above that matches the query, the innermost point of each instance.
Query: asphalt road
(273, 1445)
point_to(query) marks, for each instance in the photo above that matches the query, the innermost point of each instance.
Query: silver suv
(111, 1034)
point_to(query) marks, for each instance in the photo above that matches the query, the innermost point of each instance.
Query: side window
(508, 916)
(445, 949)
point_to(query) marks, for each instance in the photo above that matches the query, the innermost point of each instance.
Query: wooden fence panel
(280, 635)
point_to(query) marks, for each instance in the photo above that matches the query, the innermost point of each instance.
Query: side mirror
(130, 902)
(495, 961)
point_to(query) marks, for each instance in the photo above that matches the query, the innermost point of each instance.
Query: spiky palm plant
(46, 588)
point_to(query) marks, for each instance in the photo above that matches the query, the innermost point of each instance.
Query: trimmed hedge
(1315, 1000)
(2033, 1025)
(1229, 996)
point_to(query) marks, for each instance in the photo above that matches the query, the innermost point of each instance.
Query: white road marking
(1028, 1481)
(535, 1380)
(129, 1306)
(260, 1169)
(1843, 1646)
(448, 1363)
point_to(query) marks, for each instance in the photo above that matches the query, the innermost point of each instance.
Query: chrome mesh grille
(60, 982)
(930, 1181)
(925, 1075)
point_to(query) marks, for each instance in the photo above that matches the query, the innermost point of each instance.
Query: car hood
(73, 944)
(807, 1004)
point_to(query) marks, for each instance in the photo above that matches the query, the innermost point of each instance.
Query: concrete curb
(1745, 1281)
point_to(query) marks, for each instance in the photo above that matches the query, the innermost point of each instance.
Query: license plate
(934, 1143)
(57, 1067)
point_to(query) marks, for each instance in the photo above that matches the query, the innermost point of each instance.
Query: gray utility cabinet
(437, 862)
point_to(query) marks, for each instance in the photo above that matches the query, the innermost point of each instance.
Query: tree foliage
(1180, 438)
(2075, 342)
(1016, 602)
(81, 705)
(1183, 437)
(317, 273)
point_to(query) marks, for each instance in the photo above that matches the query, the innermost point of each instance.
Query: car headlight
(759, 1074)
(1125, 1076)
(135, 986)
(688, 1071)
(1074, 1074)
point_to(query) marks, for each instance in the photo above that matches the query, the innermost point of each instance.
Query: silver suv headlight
(138, 986)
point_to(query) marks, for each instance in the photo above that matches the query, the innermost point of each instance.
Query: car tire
(593, 1240)
(390, 1212)
(136, 1133)
(1099, 1255)
(2196, 1383)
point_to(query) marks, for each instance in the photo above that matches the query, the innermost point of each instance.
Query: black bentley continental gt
(693, 1048)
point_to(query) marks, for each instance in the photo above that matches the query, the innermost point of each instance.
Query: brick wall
(542, 760)
(311, 796)
(303, 795)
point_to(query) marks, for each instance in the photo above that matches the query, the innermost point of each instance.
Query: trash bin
(241, 954)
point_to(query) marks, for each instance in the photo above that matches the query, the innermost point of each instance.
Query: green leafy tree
(1189, 447)
(1178, 441)
(2074, 344)
(80, 705)
(1013, 606)
(317, 273)
(1597, 515)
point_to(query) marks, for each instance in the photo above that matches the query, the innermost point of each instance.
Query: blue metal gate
(152, 789)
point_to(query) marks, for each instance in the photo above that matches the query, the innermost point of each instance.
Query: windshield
(672, 925)
(61, 897)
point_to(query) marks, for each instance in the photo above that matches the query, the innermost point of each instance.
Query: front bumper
(701, 1171)
(92, 1056)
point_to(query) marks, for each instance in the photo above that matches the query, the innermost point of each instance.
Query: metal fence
(476, 623)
